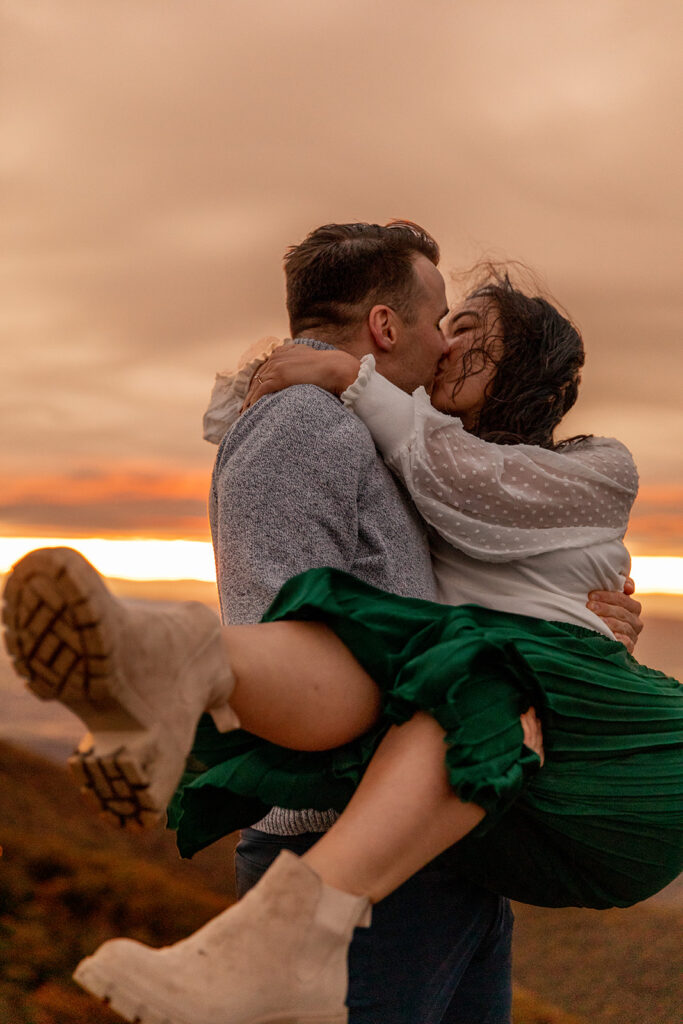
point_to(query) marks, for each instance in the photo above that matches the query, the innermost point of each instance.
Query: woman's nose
(451, 345)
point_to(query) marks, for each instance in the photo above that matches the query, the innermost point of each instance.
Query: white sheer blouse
(516, 527)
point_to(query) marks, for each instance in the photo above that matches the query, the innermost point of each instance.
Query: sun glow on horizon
(134, 559)
(168, 560)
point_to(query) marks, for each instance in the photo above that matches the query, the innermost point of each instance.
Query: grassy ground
(610, 966)
(67, 884)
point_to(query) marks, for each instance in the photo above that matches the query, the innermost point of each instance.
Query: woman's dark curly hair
(537, 366)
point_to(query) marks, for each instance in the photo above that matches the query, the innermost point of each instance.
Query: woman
(523, 524)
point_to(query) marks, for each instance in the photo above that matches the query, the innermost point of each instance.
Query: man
(298, 484)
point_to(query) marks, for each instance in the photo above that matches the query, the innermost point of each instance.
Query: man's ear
(382, 327)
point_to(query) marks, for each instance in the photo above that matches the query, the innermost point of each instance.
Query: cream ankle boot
(279, 955)
(138, 674)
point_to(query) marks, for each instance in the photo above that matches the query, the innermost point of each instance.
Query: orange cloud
(136, 502)
(670, 495)
(657, 521)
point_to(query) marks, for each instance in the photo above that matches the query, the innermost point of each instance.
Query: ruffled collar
(229, 391)
(230, 386)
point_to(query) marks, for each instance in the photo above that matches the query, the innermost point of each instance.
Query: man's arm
(285, 493)
(620, 612)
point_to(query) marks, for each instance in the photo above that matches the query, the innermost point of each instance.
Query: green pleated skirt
(601, 824)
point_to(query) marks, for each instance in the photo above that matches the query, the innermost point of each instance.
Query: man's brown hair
(340, 271)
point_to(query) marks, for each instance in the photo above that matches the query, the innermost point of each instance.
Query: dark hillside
(68, 883)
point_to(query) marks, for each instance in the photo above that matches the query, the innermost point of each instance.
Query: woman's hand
(620, 612)
(330, 369)
(533, 733)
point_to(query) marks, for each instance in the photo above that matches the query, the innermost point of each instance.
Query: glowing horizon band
(171, 560)
(138, 559)
(650, 572)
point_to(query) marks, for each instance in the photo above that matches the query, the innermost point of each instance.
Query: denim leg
(484, 994)
(257, 850)
(438, 951)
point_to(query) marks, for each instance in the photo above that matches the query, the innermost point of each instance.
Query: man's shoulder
(301, 414)
(292, 406)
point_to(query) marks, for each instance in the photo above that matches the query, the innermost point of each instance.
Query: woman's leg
(140, 675)
(297, 685)
(403, 814)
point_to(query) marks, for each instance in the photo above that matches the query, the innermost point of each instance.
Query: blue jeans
(438, 950)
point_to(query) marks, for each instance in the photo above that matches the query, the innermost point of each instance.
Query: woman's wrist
(331, 369)
(345, 370)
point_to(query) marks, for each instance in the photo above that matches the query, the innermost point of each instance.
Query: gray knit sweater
(298, 484)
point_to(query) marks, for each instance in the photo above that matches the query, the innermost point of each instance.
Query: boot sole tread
(117, 786)
(137, 1012)
(132, 1009)
(56, 636)
(59, 642)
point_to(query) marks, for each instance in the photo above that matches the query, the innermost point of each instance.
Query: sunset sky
(157, 158)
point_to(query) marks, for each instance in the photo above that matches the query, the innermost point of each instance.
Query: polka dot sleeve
(498, 502)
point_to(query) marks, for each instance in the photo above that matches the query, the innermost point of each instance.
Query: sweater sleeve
(284, 496)
(496, 502)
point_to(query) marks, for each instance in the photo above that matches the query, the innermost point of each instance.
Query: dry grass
(528, 1008)
(609, 966)
(67, 884)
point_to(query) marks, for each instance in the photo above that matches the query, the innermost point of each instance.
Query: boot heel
(224, 718)
(112, 771)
